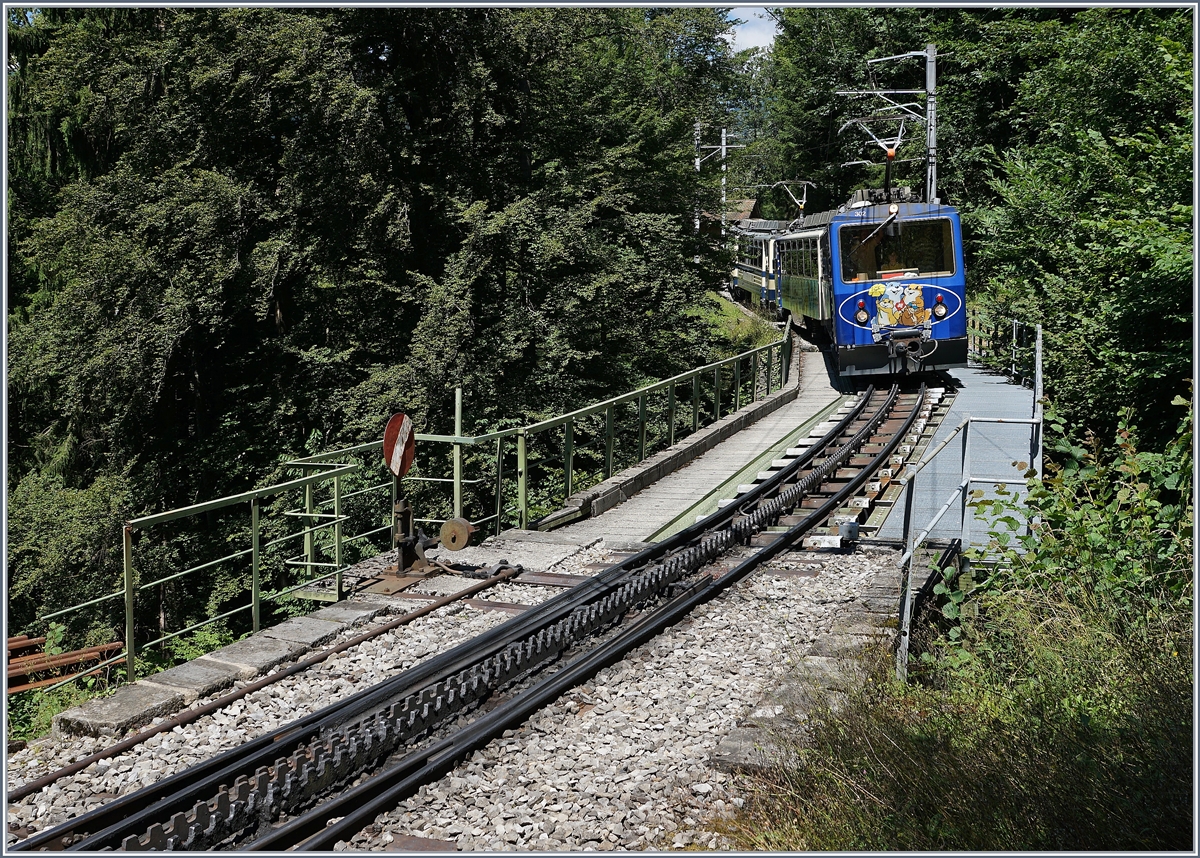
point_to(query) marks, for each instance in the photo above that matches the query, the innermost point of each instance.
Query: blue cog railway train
(881, 278)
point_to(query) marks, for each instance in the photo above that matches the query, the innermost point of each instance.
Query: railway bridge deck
(721, 679)
(670, 503)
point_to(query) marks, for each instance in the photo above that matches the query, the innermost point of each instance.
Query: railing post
(641, 427)
(716, 393)
(907, 576)
(1037, 403)
(499, 482)
(737, 384)
(608, 442)
(905, 616)
(909, 492)
(696, 402)
(770, 368)
(255, 583)
(568, 453)
(966, 476)
(785, 355)
(457, 453)
(1014, 350)
(337, 536)
(522, 478)
(671, 414)
(310, 507)
(754, 394)
(130, 644)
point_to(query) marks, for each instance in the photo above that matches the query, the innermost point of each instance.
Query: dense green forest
(236, 236)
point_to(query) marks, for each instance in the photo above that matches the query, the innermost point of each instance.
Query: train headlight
(939, 309)
(862, 316)
(893, 209)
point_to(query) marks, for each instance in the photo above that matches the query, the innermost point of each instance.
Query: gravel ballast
(619, 763)
(623, 761)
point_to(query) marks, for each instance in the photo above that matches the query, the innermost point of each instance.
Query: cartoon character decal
(913, 311)
(896, 303)
(889, 303)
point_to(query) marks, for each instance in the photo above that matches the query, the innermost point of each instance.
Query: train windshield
(899, 249)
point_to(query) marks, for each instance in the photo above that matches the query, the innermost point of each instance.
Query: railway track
(352, 760)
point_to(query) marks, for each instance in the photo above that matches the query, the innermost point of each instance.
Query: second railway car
(881, 278)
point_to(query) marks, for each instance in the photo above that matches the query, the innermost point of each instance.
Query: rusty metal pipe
(87, 649)
(41, 661)
(190, 715)
(21, 641)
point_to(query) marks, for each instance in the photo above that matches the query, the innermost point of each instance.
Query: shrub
(1058, 715)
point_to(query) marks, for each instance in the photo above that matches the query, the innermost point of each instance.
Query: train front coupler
(905, 343)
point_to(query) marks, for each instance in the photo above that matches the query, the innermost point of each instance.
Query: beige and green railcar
(802, 273)
(753, 277)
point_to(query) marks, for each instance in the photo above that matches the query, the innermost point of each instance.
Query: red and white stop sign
(399, 444)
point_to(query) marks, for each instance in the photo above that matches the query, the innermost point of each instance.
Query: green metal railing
(960, 494)
(1004, 344)
(766, 370)
(321, 542)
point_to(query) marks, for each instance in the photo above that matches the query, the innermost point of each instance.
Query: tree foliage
(239, 233)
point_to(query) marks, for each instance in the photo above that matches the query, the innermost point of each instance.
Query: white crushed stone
(620, 763)
(442, 585)
(336, 678)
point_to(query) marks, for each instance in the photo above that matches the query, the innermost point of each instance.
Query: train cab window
(900, 249)
(750, 253)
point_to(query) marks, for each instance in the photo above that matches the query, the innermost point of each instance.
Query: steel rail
(386, 790)
(178, 793)
(159, 802)
(115, 816)
(106, 824)
(359, 806)
(190, 715)
(379, 794)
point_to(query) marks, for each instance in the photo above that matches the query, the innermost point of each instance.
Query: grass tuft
(735, 331)
(1070, 734)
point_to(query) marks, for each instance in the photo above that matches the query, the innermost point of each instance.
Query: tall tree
(239, 233)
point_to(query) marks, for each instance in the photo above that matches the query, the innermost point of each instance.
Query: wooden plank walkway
(674, 501)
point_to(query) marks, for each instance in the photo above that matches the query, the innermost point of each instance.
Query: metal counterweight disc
(456, 534)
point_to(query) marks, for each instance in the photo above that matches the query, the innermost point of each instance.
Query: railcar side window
(799, 257)
(750, 253)
(904, 248)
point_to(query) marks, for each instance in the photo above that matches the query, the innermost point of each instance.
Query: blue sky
(757, 32)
